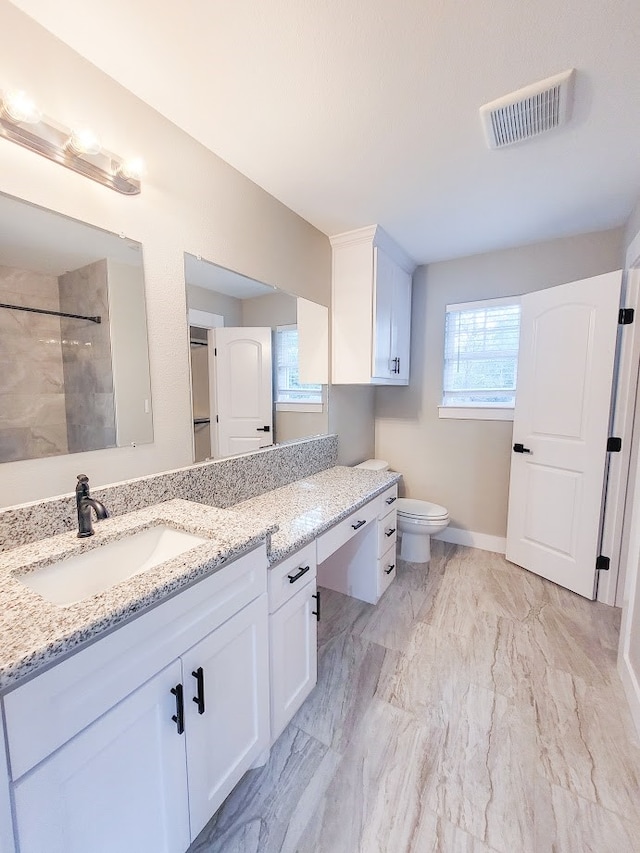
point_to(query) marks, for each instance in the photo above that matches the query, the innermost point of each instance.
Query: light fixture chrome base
(52, 142)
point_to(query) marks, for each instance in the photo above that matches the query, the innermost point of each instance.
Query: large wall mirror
(74, 362)
(259, 362)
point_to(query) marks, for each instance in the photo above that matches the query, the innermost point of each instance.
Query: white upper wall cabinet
(370, 309)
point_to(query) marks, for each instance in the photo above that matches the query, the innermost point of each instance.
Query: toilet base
(415, 547)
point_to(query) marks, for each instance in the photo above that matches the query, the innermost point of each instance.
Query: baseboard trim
(484, 541)
(631, 688)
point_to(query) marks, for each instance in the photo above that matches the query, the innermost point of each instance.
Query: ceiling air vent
(528, 112)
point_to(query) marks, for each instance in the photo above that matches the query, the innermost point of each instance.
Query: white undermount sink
(77, 578)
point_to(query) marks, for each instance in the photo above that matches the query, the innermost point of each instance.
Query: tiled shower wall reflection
(53, 397)
(33, 419)
(86, 359)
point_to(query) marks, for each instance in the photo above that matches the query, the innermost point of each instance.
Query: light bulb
(133, 169)
(21, 108)
(84, 141)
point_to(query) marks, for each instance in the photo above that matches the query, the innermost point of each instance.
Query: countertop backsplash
(219, 483)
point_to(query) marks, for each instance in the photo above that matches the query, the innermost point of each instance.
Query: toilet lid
(421, 509)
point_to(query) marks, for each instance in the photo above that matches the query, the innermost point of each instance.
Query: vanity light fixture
(78, 149)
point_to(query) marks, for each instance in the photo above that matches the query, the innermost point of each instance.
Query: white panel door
(293, 631)
(560, 429)
(241, 372)
(229, 727)
(121, 784)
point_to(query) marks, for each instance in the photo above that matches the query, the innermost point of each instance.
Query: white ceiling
(354, 112)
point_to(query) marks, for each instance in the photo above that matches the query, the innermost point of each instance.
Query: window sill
(476, 413)
(299, 407)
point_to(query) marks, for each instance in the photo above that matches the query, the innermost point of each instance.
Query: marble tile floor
(475, 709)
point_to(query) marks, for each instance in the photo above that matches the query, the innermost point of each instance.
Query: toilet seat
(416, 509)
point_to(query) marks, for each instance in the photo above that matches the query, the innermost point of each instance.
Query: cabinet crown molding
(377, 236)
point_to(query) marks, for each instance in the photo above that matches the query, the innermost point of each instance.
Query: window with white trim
(289, 390)
(481, 354)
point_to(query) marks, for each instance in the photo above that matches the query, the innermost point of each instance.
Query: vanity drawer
(387, 500)
(287, 577)
(342, 532)
(387, 532)
(386, 569)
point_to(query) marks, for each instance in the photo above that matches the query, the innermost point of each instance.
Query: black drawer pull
(198, 674)
(389, 570)
(359, 524)
(390, 532)
(390, 500)
(301, 571)
(178, 717)
(316, 612)
(520, 448)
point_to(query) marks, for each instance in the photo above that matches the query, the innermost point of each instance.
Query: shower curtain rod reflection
(51, 313)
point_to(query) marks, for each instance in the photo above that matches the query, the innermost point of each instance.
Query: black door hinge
(217, 421)
(602, 564)
(625, 316)
(614, 444)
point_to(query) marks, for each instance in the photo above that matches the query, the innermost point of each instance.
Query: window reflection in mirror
(259, 362)
(74, 366)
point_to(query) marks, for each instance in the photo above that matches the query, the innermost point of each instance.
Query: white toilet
(418, 521)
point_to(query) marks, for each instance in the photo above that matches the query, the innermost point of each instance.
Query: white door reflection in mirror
(240, 302)
(240, 371)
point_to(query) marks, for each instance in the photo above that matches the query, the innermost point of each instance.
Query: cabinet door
(229, 672)
(384, 283)
(120, 784)
(401, 325)
(294, 656)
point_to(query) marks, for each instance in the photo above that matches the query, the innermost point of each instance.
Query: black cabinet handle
(390, 569)
(178, 717)
(263, 429)
(198, 674)
(390, 532)
(520, 448)
(316, 612)
(390, 500)
(359, 524)
(301, 571)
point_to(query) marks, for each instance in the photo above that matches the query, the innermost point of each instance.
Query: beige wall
(191, 201)
(351, 416)
(464, 464)
(273, 309)
(215, 303)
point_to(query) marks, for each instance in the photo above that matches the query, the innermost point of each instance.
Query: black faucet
(85, 502)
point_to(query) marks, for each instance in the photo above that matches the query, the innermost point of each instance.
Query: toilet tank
(374, 465)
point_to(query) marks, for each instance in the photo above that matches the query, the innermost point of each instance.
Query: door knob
(520, 448)
(263, 429)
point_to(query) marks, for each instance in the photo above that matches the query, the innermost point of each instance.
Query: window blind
(481, 354)
(289, 388)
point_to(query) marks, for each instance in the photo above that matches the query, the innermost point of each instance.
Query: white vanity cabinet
(371, 309)
(134, 742)
(357, 556)
(121, 784)
(294, 605)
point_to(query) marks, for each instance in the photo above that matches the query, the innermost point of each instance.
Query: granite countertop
(306, 508)
(33, 632)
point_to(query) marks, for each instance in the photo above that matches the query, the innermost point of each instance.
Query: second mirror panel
(259, 362)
